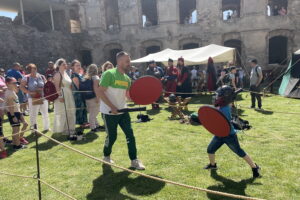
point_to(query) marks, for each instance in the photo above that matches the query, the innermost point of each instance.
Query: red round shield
(214, 121)
(145, 90)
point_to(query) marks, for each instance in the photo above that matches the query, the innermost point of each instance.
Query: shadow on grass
(202, 99)
(50, 144)
(228, 186)
(110, 184)
(189, 112)
(89, 137)
(10, 150)
(265, 112)
(153, 111)
(239, 97)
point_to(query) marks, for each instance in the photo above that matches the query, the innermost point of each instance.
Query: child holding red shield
(224, 97)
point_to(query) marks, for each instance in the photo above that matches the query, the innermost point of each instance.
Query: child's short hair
(9, 80)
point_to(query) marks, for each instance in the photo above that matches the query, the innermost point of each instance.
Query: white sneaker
(137, 164)
(107, 159)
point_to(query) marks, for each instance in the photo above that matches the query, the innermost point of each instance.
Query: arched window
(75, 24)
(188, 11)
(278, 48)
(86, 57)
(190, 46)
(110, 51)
(152, 49)
(277, 7)
(113, 53)
(150, 46)
(149, 10)
(112, 15)
(231, 9)
(237, 44)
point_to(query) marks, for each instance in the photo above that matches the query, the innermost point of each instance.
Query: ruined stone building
(95, 30)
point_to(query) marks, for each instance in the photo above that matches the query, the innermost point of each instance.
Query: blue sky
(8, 14)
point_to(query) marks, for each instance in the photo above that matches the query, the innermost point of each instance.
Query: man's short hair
(121, 54)
(16, 64)
(151, 62)
(253, 61)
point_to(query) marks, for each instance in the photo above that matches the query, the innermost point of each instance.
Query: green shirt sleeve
(129, 82)
(106, 79)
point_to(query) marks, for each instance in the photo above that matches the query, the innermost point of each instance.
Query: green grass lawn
(169, 150)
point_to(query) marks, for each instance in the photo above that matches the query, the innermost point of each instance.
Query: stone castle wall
(254, 29)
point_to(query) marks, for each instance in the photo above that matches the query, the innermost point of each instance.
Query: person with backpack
(91, 85)
(81, 112)
(33, 85)
(64, 105)
(256, 79)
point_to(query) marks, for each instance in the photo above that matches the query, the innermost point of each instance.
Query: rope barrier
(14, 134)
(149, 176)
(19, 176)
(42, 181)
(57, 190)
(44, 98)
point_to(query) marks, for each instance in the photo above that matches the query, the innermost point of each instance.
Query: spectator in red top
(184, 84)
(50, 70)
(172, 74)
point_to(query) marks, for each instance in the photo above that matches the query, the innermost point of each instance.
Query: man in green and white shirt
(114, 86)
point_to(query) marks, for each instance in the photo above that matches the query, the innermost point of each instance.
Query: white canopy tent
(196, 56)
(297, 52)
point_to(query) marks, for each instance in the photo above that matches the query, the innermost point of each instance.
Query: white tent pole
(22, 12)
(51, 16)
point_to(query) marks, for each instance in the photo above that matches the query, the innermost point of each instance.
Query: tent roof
(297, 52)
(192, 56)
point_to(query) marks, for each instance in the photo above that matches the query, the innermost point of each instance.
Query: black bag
(87, 89)
(240, 124)
(194, 119)
(143, 118)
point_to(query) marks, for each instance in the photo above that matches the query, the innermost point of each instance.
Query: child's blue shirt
(226, 110)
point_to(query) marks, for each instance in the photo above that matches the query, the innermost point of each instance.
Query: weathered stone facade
(26, 44)
(105, 31)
